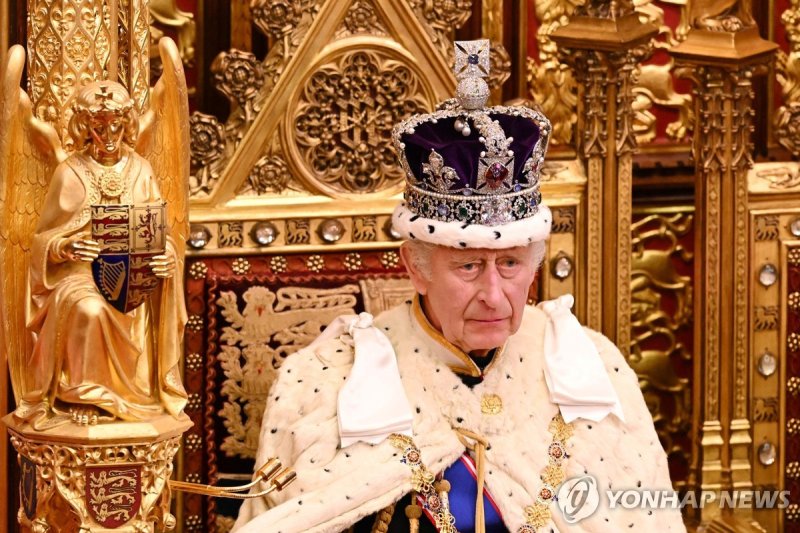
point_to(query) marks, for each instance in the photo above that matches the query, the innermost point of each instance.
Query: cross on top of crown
(472, 59)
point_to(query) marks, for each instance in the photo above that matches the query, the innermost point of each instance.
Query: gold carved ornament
(787, 119)
(721, 15)
(443, 18)
(30, 152)
(655, 343)
(550, 81)
(655, 85)
(344, 135)
(256, 340)
(166, 14)
(247, 83)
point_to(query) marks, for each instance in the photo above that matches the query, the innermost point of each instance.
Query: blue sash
(463, 494)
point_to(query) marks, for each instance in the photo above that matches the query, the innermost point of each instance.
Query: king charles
(465, 409)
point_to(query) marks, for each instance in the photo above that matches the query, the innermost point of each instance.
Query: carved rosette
(89, 486)
(239, 75)
(344, 118)
(207, 148)
(361, 19)
(269, 175)
(276, 18)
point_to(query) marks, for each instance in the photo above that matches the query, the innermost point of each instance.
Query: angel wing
(164, 141)
(30, 150)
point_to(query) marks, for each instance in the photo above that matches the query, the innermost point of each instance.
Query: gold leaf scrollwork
(779, 176)
(62, 483)
(344, 119)
(787, 119)
(656, 348)
(500, 69)
(550, 81)
(655, 86)
(256, 340)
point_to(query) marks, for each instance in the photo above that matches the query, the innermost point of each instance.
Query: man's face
(476, 297)
(106, 130)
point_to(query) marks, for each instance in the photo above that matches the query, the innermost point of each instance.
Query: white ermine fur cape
(337, 487)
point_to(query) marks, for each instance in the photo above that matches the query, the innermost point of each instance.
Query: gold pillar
(722, 64)
(492, 29)
(5, 26)
(603, 43)
(72, 43)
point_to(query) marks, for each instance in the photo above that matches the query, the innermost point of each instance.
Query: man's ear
(419, 281)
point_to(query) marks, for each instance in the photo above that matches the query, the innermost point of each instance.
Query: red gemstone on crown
(495, 175)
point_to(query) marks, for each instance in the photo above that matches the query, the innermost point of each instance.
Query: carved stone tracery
(345, 116)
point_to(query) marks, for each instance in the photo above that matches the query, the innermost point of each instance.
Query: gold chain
(539, 514)
(422, 481)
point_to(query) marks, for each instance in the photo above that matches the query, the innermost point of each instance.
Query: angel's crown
(468, 163)
(108, 97)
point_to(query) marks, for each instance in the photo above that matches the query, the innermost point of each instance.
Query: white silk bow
(575, 375)
(372, 403)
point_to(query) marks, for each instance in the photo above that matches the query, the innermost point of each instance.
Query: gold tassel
(413, 512)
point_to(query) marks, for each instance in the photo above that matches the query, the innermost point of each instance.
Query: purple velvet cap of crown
(462, 153)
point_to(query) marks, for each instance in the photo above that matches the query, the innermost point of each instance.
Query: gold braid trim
(422, 481)
(539, 514)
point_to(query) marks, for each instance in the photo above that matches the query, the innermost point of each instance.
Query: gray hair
(420, 252)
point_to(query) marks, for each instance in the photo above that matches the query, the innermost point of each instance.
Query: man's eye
(509, 263)
(469, 267)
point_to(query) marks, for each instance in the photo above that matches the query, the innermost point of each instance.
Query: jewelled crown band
(469, 164)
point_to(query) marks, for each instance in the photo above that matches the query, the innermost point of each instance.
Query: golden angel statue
(74, 353)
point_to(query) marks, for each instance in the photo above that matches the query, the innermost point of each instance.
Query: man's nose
(490, 290)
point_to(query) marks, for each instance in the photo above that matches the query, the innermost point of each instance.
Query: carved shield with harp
(129, 237)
